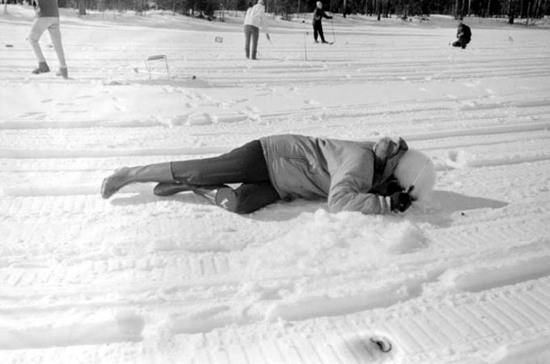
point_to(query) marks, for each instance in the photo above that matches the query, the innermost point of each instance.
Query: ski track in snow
(141, 279)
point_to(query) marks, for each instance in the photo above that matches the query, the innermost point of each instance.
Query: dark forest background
(215, 9)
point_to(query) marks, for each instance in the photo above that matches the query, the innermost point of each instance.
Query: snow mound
(338, 242)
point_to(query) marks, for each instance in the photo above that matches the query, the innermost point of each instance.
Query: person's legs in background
(247, 38)
(315, 33)
(38, 28)
(255, 36)
(55, 35)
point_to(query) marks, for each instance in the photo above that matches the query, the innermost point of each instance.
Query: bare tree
(345, 7)
(81, 7)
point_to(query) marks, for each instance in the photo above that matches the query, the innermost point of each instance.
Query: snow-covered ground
(141, 279)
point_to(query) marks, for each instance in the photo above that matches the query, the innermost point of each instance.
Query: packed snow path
(141, 279)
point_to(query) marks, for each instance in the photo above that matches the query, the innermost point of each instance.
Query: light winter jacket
(347, 173)
(256, 16)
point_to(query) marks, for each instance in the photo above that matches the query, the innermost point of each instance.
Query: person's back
(255, 16)
(464, 32)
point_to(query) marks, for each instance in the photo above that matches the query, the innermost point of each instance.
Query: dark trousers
(245, 165)
(318, 30)
(461, 42)
(251, 34)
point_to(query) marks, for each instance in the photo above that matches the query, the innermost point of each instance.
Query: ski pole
(305, 39)
(333, 36)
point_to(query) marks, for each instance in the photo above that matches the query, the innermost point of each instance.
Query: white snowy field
(142, 279)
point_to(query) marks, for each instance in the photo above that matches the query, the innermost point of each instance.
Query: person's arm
(348, 199)
(325, 15)
(348, 190)
(265, 26)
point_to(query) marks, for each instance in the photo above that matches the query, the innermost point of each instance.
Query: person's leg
(247, 198)
(160, 172)
(321, 34)
(39, 26)
(457, 44)
(245, 164)
(207, 177)
(255, 36)
(247, 37)
(315, 32)
(55, 35)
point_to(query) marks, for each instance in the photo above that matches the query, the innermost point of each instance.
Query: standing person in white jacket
(253, 20)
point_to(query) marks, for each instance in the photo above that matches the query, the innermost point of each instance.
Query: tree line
(534, 9)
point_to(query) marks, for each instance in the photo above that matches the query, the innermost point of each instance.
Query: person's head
(319, 4)
(416, 169)
(261, 2)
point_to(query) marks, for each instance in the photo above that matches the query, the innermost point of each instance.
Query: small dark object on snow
(383, 343)
(463, 214)
(9, 45)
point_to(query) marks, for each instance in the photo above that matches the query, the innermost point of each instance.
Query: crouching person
(370, 177)
(463, 34)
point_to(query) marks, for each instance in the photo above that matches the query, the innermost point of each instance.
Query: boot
(63, 72)
(161, 172)
(42, 68)
(169, 189)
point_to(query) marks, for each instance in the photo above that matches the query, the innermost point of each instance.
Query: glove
(400, 201)
(267, 36)
(393, 187)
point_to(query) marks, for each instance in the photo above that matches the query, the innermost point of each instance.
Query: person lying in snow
(371, 177)
(464, 35)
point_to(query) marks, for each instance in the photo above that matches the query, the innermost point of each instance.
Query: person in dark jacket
(464, 35)
(47, 13)
(318, 15)
(370, 177)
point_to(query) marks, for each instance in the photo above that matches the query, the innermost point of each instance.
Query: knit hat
(416, 169)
